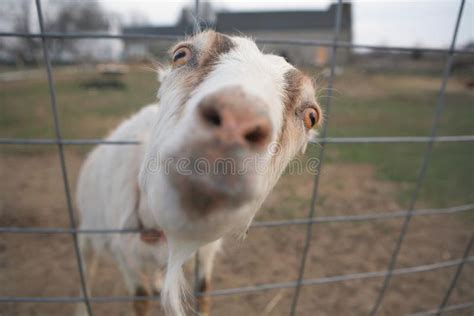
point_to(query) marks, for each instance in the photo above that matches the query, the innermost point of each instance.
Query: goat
(220, 98)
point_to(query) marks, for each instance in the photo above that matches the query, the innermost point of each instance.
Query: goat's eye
(310, 117)
(181, 56)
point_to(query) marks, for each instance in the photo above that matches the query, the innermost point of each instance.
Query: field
(355, 179)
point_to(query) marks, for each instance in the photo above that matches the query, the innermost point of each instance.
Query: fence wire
(308, 221)
(449, 308)
(317, 140)
(259, 224)
(253, 288)
(288, 41)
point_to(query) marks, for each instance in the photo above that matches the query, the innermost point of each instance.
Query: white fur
(108, 184)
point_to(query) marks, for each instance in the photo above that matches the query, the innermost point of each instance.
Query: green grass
(26, 110)
(25, 106)
(401, 109)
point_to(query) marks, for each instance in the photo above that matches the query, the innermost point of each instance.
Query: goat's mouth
(210, 179)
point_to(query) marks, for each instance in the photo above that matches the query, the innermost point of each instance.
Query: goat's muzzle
(235, 129)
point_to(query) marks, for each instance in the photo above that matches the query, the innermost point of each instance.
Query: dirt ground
(44, 265)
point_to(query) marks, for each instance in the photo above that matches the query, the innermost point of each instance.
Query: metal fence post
(57, 130)
(424, 164)
(309, 228)
(197, 28)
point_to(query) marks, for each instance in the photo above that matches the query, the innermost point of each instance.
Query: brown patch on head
(293, 86)
(215, 44)
(299, 95)
(293, 90)
(204, 61)
(219, 44)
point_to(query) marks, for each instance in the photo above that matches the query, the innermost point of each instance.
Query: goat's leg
(206, 263)
(134, 284)
(141, 307)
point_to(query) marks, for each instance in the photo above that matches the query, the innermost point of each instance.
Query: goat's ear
(162, 72)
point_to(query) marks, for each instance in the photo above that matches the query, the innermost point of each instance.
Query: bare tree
(16, 15)
(71, 17)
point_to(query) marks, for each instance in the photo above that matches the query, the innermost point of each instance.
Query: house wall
(304, 55)
(138, 50)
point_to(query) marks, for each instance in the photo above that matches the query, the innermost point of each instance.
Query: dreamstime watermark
(260, 164)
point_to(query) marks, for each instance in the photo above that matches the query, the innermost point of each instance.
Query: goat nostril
(256, 135)
(211, 116)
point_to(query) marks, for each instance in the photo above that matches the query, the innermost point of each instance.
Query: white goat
(221, 101)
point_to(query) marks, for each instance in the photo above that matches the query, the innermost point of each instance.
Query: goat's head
(230, 120)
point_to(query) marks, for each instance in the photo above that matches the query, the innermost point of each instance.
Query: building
(280, 25)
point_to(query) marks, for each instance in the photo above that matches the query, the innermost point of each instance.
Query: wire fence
(311, 218)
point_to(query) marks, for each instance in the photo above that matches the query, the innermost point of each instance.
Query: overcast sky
(389, 22)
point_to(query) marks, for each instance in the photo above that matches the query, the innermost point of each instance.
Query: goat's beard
(174, 285)
(173, 294)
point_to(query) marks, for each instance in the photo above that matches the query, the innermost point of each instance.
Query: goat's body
(108, 194)
(108, 197)
(221, 101)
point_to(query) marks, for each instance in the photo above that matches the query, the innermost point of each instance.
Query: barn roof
(277, 20)
(256, 21)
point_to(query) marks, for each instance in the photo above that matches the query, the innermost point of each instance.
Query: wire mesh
(308, 221)
(254, 288)
(258, 224)
(424, 165)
